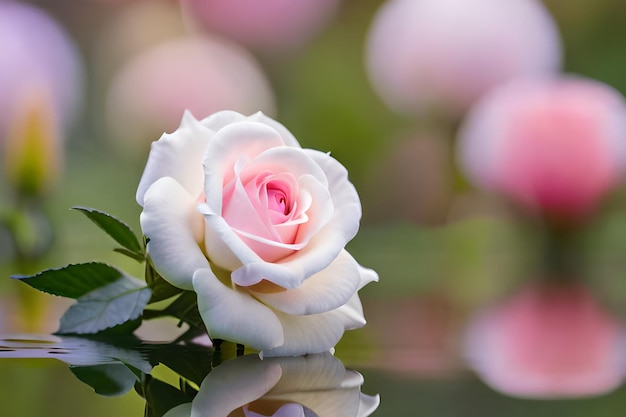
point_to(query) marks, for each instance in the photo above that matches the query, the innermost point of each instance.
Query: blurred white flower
(441, 55)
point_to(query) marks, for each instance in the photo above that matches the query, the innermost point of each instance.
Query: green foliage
(185, 308)
(108, 300)
(111, 379)
(161, 289)
(74, 280)
(161, 397)
(118, 230)
(106, 307)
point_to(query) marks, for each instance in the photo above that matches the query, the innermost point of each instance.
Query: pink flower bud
(267, 24)
(548, 342)
(442, 55)
(555, 146)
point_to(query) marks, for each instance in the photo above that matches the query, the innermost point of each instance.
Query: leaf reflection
(209, 383)
(108, 368)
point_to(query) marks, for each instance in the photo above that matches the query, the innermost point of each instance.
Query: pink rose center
(263, 208)
(277, 200)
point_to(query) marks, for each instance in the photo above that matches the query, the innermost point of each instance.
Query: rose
(236, 210)
(554, 146)
(299, 386)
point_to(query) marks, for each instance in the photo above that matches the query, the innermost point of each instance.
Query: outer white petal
(287, 136)
(369, 404)
(324, 246)
(315, 333)
(177, 155)
(324, 291)
(367, 275)
(221, 119)
(174, 228)
(351, 313)
(218, 120)
(235, 315)
(234, 384)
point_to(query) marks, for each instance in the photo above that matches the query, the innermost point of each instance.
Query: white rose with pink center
(235, 210)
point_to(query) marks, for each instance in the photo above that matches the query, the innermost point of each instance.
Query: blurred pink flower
(554, 145)
(442, 55)
(203, 75)
(548, 342)
(38, 59)
(267, 25)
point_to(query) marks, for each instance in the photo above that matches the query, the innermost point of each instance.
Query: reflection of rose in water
(547, 342)
(301, 386)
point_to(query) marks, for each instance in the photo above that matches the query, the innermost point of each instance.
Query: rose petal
(218, 120)
(367, 275)
(269, 250)
(369, 404)
(351, 313)
(328, 403)
(234, 384)
(241, 213)
(221, 119)
(325, 245)
(234, 142)
(316, 333)
(308, 373)
(183, 410)
(296, 161)
(222, 242)
(324, 291)
(318, 202)
(235, 315)
(174, 229)
(177, 155)
(287, 136)
(319, 382)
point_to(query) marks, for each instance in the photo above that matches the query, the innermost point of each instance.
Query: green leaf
(190, 361)
(74, 280)
(162, 397)
(161, 289)
(139, 257)
(110, 379)
(184, 308)
(114, 227)
(109, 306)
